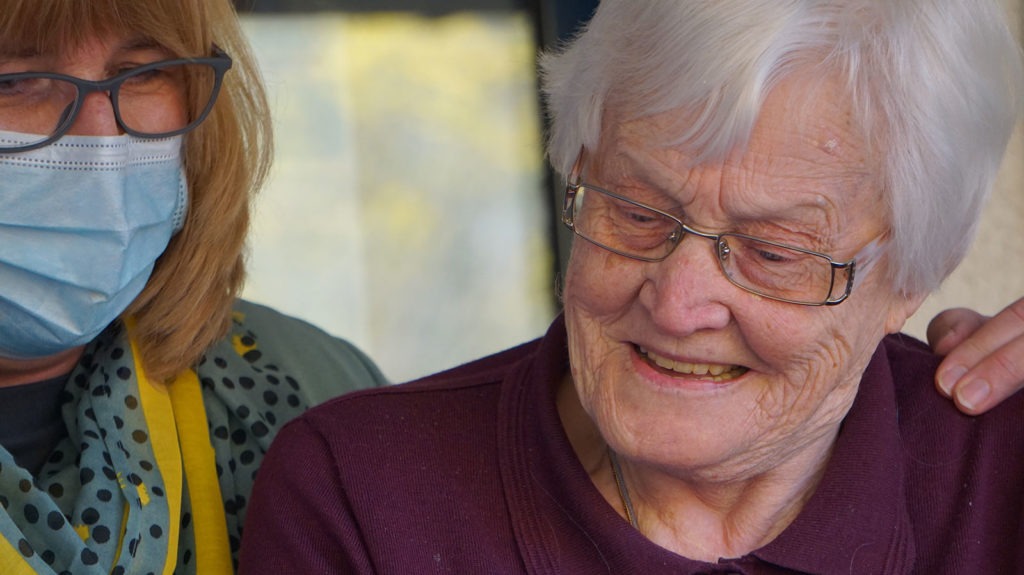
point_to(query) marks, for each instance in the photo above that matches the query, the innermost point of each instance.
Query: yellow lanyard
(176, 417)
(213, 551)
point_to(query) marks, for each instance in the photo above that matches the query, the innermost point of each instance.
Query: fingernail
(949, 377)
(973, 393)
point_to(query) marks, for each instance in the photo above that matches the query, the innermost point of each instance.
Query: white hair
(936, 86)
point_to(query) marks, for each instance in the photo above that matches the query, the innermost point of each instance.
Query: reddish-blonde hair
(186, 305)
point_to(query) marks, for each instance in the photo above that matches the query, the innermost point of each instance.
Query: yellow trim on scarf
(120, 537)
(12, 562)
(213, 551)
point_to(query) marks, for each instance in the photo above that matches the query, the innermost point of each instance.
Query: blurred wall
(992, 276)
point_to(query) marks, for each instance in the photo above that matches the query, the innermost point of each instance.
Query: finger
(951, 327)
(993, 379)
(988, 349)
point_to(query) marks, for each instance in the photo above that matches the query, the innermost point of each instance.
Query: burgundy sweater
(469, 471)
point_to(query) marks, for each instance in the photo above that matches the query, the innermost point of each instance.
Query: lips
(711, 371)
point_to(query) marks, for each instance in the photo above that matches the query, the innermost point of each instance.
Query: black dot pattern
(69, 518)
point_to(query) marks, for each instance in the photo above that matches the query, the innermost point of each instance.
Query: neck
(707, 519)
(703, 514)
(21, 371)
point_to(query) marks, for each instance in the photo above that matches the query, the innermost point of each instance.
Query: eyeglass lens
(150, 102)
(756, 265)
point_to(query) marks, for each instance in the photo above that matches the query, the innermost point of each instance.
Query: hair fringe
(186, 307)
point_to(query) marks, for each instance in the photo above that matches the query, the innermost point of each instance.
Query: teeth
(718, 371)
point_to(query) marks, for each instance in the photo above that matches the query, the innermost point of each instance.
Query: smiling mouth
(710, 371)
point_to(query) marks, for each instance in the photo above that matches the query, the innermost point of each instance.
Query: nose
(96, 117)
(687, 292)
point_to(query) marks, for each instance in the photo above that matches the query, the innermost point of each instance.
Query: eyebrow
(141, 43)
(651, 172)
(23, 53)
(27, 52)
(809, 220)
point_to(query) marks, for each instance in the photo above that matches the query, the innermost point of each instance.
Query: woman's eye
(22, 87)
(142, 77)
(772, 256)
(641, 217)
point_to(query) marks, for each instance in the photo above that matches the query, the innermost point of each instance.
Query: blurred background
(410, 209)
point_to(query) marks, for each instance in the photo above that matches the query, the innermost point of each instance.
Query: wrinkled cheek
(596, 369)
(593, 356)
(817, 385)
(588, 351)
(594, 297)
(792, 399)
(839, 350)
(599, 283)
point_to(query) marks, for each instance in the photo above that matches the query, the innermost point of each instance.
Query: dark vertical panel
(556, 21)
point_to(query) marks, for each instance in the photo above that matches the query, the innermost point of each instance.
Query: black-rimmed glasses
(155, 100)
(766, 268)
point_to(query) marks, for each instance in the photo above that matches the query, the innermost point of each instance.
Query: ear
(901, 308)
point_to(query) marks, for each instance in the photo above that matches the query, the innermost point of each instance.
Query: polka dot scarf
(144, 482)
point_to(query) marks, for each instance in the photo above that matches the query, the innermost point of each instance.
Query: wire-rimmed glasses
(763, 267)
(156, 100)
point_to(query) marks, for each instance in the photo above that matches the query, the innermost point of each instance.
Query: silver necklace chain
(620, 483)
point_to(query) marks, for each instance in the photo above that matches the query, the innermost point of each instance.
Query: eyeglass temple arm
(572, 184)
(836, 266)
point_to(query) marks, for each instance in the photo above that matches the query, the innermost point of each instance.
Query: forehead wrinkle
(791, 179)
(652, 168)
(657, 172)
(806, 151)
(631, 149)
(801, 170)
(799, 204)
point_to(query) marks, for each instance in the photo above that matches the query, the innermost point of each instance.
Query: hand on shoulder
(984, 361)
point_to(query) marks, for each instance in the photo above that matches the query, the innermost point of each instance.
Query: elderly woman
(763, 191)
(137, 396)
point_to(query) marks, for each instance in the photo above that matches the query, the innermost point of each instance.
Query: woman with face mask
(137, 395)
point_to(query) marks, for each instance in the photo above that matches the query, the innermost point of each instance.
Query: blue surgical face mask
(82, 221)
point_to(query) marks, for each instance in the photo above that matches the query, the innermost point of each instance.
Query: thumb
(951, 327)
